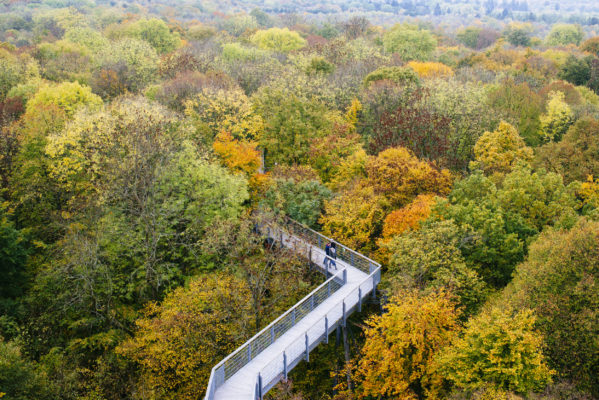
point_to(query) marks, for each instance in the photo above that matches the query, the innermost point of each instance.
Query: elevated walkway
(259, 364)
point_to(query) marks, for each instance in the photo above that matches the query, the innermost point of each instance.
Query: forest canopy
(143, 145)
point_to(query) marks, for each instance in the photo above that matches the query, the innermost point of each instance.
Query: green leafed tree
(278, 39)
(410, 42)
(564, 34)
(559, 281)
(500, 347)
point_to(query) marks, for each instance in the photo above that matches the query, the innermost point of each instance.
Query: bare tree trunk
(347, 356)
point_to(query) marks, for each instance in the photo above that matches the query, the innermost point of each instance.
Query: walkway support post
(344, 314)
(307, 349)
(285, 366)
(259, 386)
(359, 299)
(326, 329)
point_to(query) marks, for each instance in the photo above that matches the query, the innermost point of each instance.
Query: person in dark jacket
(333, 254)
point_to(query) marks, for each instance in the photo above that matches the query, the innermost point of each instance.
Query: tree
(177, 342)
(558, 281)
(490, 244)
(399, 75)
(67, 96)
(237, 155)
(410, 42)
(133, 62)
(576, 70)
(591, 45)
(518, 105)
(431, 69)
(155, 32)
(91, 39)
(21, 379)
(398, 359)
(302, 200)
(416, 126)
(408, 217)
(576, 156)
(292, 122)
(430, 259)
(219, 109)
(557, 120)
(400, 176)
(14, 250)
(518, 35)
(564, 34)
(498, 152)
(277, 39)
(354, 217)
(469, 36)
(500, 347)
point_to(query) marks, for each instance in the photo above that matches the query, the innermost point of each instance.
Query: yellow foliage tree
(177, 342)
(557, 120)
(497, 152)
(225, 110)
(431, 69)
(355, 217)
(398, 359)
(400, 176)
(237, 155)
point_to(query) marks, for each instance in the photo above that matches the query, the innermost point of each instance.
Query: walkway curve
(259, 364)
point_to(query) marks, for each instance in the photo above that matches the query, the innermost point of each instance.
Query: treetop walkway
(259, 364)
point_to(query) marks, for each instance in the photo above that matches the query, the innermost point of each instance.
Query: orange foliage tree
(237, 155)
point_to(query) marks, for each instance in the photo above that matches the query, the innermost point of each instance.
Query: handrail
(294, 222)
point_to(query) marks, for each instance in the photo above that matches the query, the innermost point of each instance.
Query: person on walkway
(327, 252)
(333, 254)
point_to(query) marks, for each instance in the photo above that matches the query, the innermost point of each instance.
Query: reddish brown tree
(417, 127)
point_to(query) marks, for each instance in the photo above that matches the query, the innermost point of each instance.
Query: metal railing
(267, 336)
(300, 349)
(319, 240)
(250, 349)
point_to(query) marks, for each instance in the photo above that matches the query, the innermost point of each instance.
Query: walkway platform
(255, 367)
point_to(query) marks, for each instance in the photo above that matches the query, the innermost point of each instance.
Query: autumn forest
(455, 142)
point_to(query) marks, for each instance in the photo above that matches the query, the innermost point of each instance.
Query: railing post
(352, 259)
(329, 289)
(359, 299)
(285, 366)
(272, 334)
(344, 316)
(311, 302)
(249, 351)
(259, 386)
(326, 329)
(345, 276)
(307, 349)
(326, 266)
(293, 317)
